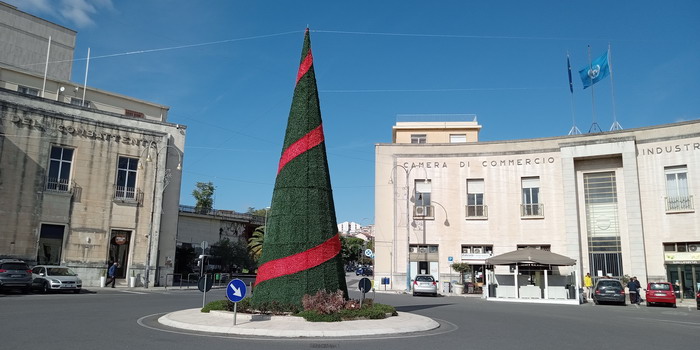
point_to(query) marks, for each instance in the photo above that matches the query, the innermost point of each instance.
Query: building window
(677, 196)
(468, 250)
(133, 114)
(27, 90)
(418, 138)
(60, 161)
(531, 205)
(458, 138)
(682, 247)
(424, 249)
(602, 223)
(125, 187)
(423, 207)
(545, 247)
(80, 102)
(475, 199)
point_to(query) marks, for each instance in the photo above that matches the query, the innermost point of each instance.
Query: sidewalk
(291, 326)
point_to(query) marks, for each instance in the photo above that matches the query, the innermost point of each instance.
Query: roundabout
(221, 322)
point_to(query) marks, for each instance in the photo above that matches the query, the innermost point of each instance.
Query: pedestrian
(633, 287)
(112, 274)
(588, 283)
(638, 288)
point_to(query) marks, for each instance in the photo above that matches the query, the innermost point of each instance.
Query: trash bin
(492, 290)
(446, 287)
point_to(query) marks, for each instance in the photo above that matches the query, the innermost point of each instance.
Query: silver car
(50, 278)
(425, 284)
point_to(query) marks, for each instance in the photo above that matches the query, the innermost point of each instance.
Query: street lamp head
(179, 166)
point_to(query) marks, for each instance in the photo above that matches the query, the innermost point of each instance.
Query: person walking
(588, 283)
(112, 275)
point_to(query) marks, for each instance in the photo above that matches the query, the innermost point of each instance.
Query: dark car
(15, 274)
(697, 299)
(609, 291)
(364, 271)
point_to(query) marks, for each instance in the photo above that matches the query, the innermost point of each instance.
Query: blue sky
(227, 70)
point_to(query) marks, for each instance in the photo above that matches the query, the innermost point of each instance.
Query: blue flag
(596, 71)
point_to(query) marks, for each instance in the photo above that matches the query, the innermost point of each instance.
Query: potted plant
(460, 268)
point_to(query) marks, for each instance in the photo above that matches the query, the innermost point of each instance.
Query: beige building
(619, 203)
(86, 176)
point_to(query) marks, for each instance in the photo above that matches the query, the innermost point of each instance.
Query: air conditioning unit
(692, 248)
(476, 250)
(420, 210)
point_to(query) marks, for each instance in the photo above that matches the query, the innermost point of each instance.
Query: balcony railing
(477, 211)
(528, 210)
(58, 185)
(679, 203)
(128, 194)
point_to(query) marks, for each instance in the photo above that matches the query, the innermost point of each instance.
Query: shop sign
(475, 256)
(682, 257)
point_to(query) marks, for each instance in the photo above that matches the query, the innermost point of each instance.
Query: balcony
(679, 204)
(54, 184)
(478, 212)
(532, 211)
(128, 195)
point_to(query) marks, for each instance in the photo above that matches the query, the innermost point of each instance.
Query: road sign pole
(204, 295)
(235, 306)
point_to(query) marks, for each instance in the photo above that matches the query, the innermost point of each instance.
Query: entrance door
(119, 250)
(50, 245)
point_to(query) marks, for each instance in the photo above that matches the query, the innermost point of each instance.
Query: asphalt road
(118, 319)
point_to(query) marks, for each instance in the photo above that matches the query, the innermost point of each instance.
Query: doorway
(119, 250)
(50, 245)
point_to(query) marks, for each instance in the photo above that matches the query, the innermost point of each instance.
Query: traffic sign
(450, 259)
(368, 253)
(365, 285)
(204, 245)
(201, 283)
(236, 290)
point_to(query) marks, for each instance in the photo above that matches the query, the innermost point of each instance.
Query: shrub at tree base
(321, 307)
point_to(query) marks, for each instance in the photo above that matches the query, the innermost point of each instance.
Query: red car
(697, 299)
(660, 293)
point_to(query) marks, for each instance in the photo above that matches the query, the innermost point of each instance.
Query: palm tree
(255, 242)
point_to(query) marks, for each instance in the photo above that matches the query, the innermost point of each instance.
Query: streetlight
(408, 230)
(267, 209)
(158, 187)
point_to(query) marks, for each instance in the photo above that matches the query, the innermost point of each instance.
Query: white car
(50, 278)
(425, 284)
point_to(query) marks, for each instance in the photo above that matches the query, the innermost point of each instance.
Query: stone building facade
(619, 203)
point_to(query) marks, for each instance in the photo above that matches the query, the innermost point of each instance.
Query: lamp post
(407, 171)
(267, 209)
(158, 187)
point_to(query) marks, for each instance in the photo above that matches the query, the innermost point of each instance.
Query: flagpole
(615, 125)
(574, 130)
(594, 125)
(87, 65)
(46, 67)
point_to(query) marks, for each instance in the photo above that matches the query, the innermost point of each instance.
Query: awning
(531, 256)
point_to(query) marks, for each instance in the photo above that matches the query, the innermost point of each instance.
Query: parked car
(48, 278)
(697, 299)
(425, 284)
(609, 290)
(15, 274)
(660, 293)
(364, 271)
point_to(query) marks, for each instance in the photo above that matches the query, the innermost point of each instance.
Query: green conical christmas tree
(301, 251)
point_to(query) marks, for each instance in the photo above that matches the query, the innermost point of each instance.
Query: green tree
(204, 195)
(255, 243)
(461, 268)
(351, 249)
(231, 255)
(256, 212)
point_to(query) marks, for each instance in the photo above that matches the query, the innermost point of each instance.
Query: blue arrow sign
(236, 290)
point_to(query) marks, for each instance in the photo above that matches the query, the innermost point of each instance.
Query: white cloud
(78, 12)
